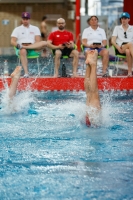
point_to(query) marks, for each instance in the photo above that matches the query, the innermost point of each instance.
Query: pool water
(47, 152)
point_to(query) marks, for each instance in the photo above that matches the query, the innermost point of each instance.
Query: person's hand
(68, 44)
(19, 46)
(120, 49)
(124, 47)
(61, 46)
(92, 46)
(100, 46)
(95, 46)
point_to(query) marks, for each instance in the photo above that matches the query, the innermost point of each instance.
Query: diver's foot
(92, 57)
(17, 72)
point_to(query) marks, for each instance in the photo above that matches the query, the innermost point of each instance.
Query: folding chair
(63, 58)
(30, 57)
(117, 59)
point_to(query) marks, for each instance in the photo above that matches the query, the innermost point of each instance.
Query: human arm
(104, 39)
(113, 41)
(103, 42)
(37, 35)
(37, 38)
(14, 41)
(85, 39)
(84, 43)
(69, 44)
(114, 38)
(52, 46)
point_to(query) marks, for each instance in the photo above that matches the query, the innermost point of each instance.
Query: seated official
(122, 39)
(62, 43)
(25, 34)
(93, 38)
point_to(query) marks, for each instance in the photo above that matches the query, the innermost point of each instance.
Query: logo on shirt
(31, 32)
(57, 36)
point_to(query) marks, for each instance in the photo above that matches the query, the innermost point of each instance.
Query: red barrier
(116, 83)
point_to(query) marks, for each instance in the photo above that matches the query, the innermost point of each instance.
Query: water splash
(19, 103)
(107, 110)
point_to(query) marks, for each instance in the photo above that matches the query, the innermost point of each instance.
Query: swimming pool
(47, 152)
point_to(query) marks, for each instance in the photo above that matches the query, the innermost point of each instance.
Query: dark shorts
(98, 49)
(117, 52)
(65, 52)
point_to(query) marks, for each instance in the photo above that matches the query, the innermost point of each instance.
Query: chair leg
(19, 61)
(38, 66)
(83, 68)
(117, 60)
(52, 69)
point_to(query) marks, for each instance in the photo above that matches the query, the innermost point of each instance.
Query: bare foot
(75, 75)
(55, 75)
(91, 57)
(16, 73)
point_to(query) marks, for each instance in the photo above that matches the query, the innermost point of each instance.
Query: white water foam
(19, 103)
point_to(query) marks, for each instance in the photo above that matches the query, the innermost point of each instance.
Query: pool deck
(52, 84)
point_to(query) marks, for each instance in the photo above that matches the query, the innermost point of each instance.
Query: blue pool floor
(47, 152)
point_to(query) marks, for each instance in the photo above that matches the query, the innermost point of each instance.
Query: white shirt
(92, 35)
(25, 34)
(119, 34)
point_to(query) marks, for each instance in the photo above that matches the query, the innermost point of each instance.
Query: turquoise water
(47, 152)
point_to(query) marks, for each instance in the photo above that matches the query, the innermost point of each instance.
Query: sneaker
(26, 76)
(106, 75)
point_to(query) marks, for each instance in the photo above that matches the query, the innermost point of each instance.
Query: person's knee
(75, 53)
(57, 54)
(23, 52)
(127, 51)
(106, 53)
(130, 45)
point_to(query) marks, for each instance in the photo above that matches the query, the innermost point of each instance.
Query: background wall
(10, 17)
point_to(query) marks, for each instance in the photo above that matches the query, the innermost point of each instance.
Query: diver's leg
(14, 82)
(91, 85)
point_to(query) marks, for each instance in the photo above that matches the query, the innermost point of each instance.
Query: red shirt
(60, 37)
